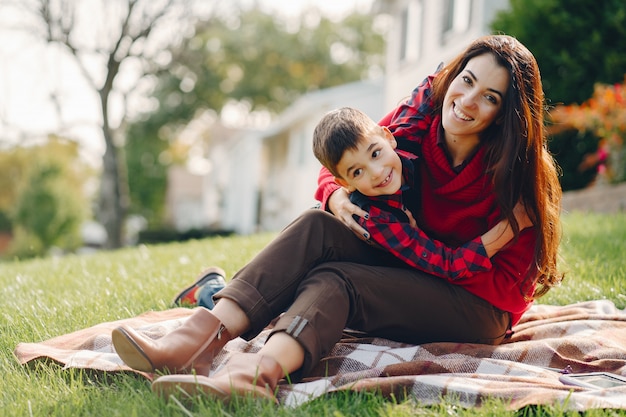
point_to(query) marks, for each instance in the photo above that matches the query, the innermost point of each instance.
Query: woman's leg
(324, 279)
(401, 304)
(414, 307)
(276, 279)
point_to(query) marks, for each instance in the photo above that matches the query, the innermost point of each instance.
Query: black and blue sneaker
(200, 293)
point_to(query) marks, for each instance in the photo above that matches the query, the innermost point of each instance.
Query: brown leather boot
(245, 374)
(192, 346)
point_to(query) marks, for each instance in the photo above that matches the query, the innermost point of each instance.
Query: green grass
(44, 298)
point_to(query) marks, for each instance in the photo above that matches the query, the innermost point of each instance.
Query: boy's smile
(374, 168)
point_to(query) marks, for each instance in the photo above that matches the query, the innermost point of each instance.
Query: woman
(477, 126)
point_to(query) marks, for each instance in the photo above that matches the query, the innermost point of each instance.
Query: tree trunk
(113, 199)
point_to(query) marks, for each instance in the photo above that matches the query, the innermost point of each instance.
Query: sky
(31, 73)
(330, 7)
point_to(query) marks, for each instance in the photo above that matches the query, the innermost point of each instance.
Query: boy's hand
(340, 205)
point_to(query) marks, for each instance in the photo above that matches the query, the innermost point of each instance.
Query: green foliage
(43, 201)
(45, 298)
(571, 148)
(254, 59)
(45, 214)
(576, 42)
(5, 222)
(257, 59)
(147, 175)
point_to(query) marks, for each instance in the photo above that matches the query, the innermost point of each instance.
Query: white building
(425, 33)
(273, 173)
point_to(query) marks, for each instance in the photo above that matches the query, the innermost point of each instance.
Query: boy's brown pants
(325, 279)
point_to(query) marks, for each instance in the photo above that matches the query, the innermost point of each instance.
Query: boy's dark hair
(338, 131)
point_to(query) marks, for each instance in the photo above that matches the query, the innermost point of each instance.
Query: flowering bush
(604, 115)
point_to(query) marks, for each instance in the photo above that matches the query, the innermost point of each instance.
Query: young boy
(363, 158)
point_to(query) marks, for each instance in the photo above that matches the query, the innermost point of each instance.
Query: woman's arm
(497, 237)
(502, 233)
(412, 119)
(326, 187)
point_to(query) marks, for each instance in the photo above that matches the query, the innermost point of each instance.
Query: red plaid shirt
(389, 228)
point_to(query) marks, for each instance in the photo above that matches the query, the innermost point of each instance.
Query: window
(410, 31)
(456, 16)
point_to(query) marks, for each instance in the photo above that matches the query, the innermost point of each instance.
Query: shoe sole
(130, 352)
(204, 277)
(188, 387)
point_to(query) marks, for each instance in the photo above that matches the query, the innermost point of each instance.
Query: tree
(45, 214)
(255, 61)
(577, 43)
(604, 115)
(44, 198)
(107, 39)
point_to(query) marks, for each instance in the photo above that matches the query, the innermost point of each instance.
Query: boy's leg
(269, 284)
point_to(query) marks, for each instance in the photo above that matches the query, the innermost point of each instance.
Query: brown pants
(325, 279)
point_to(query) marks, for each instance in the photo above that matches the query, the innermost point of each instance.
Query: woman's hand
(501, 234)
(408, 213)
(521, 216)
(340, 205)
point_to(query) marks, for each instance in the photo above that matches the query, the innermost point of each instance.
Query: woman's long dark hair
(517, 156)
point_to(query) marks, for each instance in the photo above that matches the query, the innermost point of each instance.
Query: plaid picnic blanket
(583, 337)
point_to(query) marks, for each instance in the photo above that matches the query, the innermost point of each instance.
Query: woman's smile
(460, 114)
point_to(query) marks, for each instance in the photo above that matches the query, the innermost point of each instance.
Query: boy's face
(373, 168)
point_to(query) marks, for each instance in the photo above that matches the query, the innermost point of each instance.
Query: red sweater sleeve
(326, 185)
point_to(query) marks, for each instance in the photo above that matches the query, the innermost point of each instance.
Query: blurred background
(141, 121)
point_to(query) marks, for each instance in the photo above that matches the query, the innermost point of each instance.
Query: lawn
(44, 298)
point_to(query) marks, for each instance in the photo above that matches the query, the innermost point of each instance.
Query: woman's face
(474, 98)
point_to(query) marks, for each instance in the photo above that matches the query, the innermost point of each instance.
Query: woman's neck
(460, 147)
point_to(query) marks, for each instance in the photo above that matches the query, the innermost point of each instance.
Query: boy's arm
(412, 246)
